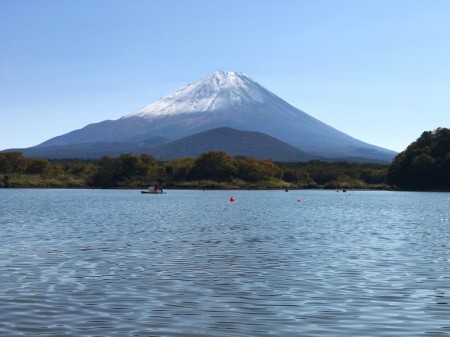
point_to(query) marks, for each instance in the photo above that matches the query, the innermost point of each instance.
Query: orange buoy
(231, 199)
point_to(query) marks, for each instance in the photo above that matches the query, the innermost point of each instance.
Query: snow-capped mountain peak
(217, 91)
(219, 100)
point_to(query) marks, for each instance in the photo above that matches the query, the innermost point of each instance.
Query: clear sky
(376, 70)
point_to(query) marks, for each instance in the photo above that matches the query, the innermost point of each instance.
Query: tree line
(424, 165)
(214, 169)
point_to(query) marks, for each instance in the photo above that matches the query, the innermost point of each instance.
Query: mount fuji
(221, 99)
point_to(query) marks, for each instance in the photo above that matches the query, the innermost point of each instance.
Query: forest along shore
(211, 170)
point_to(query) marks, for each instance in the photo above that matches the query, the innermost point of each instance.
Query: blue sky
(376, 70)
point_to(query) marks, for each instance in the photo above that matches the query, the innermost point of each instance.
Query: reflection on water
(190, 263)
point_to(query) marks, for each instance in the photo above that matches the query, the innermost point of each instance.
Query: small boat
(153, 190)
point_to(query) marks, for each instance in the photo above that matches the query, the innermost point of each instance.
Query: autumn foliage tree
(213, 169)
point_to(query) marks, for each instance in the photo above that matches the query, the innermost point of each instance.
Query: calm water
(190, 263)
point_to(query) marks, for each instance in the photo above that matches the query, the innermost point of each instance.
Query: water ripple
(190, 263)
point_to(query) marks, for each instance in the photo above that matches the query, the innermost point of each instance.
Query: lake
(192, 263)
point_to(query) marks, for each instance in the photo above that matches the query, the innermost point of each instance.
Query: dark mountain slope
(233, 142)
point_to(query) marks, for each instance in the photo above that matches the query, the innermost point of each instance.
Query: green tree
(373, 175)
(107, 173)
(178, 169)
(424, 164)
(38, 166)
(125, 169)
(215, 165)
(249, 169)
(12, 162)
(129, 166)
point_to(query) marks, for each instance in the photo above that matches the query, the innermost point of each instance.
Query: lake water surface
(191, 263)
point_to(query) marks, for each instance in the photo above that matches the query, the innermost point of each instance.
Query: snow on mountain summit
(217, 91)
(219, 100)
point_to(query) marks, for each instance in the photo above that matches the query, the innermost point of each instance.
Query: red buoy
(231, 199)
(298, 200)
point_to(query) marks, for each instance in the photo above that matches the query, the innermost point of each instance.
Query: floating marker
(231, 199)
(299, 200)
